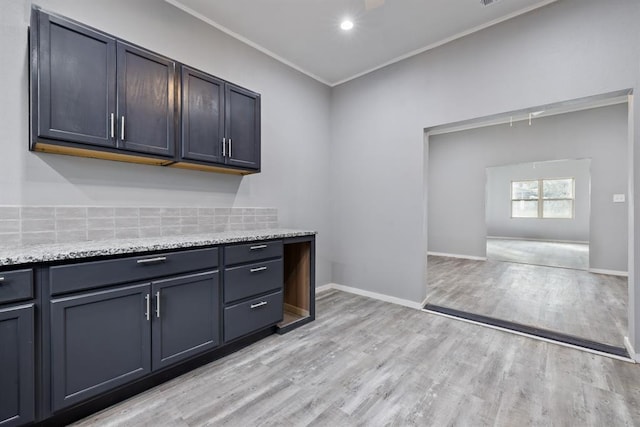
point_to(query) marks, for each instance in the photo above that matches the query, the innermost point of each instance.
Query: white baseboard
(474, 258)
(374, 295)
(323, 288)
(424, 302)
(609, 272)
(632, 353)
(581, 242)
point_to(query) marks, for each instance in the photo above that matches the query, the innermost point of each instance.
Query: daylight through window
(542, 198)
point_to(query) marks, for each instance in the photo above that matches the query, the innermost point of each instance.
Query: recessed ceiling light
(346, 25)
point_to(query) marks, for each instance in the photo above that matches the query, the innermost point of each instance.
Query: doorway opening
(555, 258)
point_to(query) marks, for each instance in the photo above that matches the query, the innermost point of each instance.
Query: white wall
(295, 124)
(569, 49)
(576, 229)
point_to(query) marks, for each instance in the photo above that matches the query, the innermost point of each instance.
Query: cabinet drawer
(247, 280)
(250, 316)
(88, 275)
(16, 285)
(255, 251)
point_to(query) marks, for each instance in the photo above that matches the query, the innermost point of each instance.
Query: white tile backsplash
(29, 225)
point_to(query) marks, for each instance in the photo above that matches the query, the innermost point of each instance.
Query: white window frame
(541, 198)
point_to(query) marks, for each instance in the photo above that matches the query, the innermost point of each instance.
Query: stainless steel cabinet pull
(224, 147)
(113, 126)
(122, 129)
(229, 147)
(158, 304)
(148, 300)
(260, 304)
(1, 279)
(253, 248)
(254, 270)
(152, 260)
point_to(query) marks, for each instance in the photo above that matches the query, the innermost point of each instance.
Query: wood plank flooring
(365, 362)
(587, 305)
(553, 254)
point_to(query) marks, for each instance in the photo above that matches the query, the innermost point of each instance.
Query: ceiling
(306, 34)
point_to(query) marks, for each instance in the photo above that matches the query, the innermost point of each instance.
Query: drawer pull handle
(1, 279)
(152, 260)
(255, 270)
(253, 248)
(260, 304)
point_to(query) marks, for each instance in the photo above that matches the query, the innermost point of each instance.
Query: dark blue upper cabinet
(220, 122)
(146, 85)
(74, 82)
(242, 123)
(94, 95)
(202, 116)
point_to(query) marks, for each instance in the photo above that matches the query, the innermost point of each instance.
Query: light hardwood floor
(554, 254)
(575, 302)
(370, 363)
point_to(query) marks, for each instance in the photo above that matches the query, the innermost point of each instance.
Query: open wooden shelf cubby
(299, 288)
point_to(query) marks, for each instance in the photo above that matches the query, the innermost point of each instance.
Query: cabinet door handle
(255, 270)
(229, 147)
(260, 304)
(148, 301)
(158, 304)
(113, 126)
(122, 130)
(1, 279)
(224, 147)
(255, 248)
(152, 260)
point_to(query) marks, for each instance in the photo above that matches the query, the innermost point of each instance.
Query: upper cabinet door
(146, 107)
(74, 82)
(202, 116)
(242, 124)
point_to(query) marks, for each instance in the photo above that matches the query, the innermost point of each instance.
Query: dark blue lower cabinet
(99, 340)
(186, 317)
(253, 315)
(17, 387)
(104, 339)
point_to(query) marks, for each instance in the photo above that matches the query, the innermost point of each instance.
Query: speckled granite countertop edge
(78, 250)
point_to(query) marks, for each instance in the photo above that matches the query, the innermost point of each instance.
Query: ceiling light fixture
(346, 25)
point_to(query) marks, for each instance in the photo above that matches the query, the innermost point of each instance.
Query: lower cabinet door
(99, 340)
(16, 366)
(253, 315)
(186, 317)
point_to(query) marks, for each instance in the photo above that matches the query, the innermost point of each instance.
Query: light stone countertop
(78, 250)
